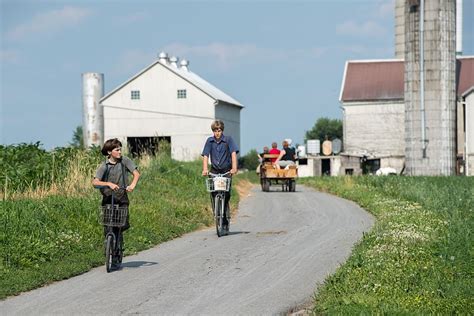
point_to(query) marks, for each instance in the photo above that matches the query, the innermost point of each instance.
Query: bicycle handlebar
(219, 174)
(106, 186)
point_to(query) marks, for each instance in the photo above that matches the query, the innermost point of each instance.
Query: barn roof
(465, 73)
(367, 80)
(187, 75)
(382, 80)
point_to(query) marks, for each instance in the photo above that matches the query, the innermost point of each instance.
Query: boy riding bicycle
(112, 176)
(222, 152)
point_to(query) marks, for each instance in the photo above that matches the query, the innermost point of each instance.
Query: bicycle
(113, 217)
(220, 184)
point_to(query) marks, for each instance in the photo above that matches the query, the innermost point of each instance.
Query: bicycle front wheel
(219, 214)
(119, 250)
(109, 246)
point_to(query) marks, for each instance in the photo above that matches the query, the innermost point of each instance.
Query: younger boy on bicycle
(222, 152)
(112, 174)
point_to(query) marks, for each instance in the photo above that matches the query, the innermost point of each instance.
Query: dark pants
(121, 200)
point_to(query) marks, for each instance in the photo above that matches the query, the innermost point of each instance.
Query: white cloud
(367, 51)
(132, 61)
(135, 17)
(224, 54)
(49, 21)
(385, 9)
(364, 29)
(227, 56)
(9, 56)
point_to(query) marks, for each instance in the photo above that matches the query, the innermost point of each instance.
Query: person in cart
(287, 156)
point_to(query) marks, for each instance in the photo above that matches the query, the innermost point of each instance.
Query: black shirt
(289, 154)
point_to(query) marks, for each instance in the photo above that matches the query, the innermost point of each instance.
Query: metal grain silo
(400, 29)
(92, 111)
(430, 99)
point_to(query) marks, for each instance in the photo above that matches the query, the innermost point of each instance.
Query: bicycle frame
(113, 242)
(219, 184)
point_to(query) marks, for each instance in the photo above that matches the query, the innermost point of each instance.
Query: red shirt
(275, 151)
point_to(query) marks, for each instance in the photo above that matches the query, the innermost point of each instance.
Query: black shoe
(225, 228)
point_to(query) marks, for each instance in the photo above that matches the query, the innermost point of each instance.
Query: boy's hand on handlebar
(130, 188)
(113, 186)
(233, 171)
(205, 172)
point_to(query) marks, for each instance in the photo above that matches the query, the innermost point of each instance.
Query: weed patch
(53, 236)
(418, 257)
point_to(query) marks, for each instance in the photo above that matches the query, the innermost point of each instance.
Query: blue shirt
(220, 152)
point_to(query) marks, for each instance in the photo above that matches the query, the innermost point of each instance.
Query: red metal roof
(464, 74)
(373, 80)
(383, 79)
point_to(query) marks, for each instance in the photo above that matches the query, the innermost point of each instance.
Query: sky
(283, 60)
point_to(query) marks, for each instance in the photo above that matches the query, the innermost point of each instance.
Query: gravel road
(280, 247)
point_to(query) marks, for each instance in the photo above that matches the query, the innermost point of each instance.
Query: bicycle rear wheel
(219, 215)
(109, 246)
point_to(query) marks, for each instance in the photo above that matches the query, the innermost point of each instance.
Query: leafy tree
(325, 128)
(77, 138)
(249, 161)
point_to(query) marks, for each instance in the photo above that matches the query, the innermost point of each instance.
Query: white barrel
(313, 146)
(301, 151)
(327, 147)
(92, 111)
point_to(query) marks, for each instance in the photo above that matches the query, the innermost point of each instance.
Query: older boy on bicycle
(222, 152)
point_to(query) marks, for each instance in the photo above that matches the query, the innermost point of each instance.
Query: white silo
(400, 29)
(430, 83)
(92, 111)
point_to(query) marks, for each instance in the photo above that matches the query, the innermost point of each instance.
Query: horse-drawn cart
(271, 175)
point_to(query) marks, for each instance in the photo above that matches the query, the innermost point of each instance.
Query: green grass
(56, 237)
(418, 258)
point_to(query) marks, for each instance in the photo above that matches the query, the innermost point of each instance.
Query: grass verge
(418, 258)
(55, 236)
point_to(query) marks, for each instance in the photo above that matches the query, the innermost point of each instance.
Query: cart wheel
(292, 186)
(266, 185)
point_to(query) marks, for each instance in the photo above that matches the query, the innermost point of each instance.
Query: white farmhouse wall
(158, 92)
(469, 99)
(460, 139)
(187, 134)
(159, 112)
(230, 115)
(374, 128)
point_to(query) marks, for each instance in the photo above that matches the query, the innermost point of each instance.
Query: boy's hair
(217, 124)
(110, 145)
(274, 145)
(285, 143)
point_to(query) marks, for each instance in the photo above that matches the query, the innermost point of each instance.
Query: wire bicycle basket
(214, 184)
(116, 216)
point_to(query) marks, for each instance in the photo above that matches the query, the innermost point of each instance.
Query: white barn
(373, 102)
(168, 101)
(372, 99)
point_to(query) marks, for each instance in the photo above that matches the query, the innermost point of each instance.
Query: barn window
(182, 94)
(135, 95)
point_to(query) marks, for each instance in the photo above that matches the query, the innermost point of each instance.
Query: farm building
(409, 115)
(167, 101)
(373, 113)
(373, 103)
